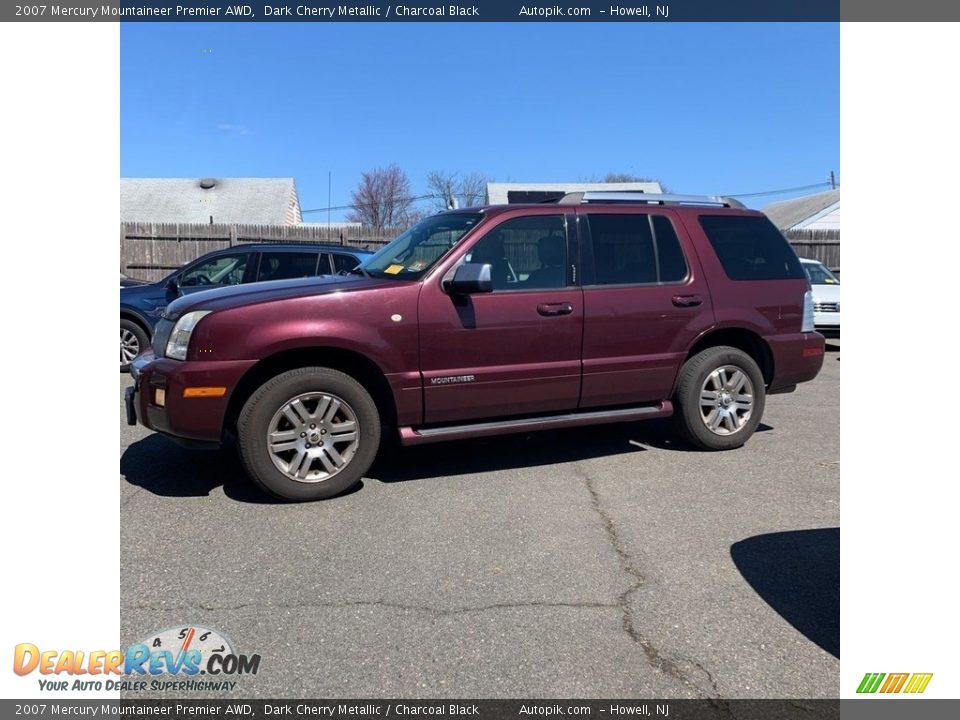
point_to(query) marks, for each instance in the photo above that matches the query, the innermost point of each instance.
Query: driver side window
(525, 253)
(222, 270)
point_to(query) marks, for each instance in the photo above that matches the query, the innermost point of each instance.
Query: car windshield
(413, 253)
(819, 275)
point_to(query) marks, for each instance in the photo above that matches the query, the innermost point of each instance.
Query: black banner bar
(429, 11)
(707, 709)
(628, 11)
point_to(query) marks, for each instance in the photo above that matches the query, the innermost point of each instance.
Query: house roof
(790, 213)
(262, 201)
(498, 193)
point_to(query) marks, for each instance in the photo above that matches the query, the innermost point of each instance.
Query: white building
(813, 212)
(511, 193)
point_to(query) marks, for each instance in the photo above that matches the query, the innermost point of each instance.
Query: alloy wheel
(129, 346)
(313, 436)
(726, 400)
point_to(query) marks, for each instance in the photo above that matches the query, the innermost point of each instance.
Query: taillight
(807, 325)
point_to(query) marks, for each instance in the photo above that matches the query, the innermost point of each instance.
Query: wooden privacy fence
(822, 245)
(152, 250)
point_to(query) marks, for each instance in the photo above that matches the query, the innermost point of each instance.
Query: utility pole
(329, 184)
(833, 182)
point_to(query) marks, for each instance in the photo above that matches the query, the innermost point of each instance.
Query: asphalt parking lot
(607, 562)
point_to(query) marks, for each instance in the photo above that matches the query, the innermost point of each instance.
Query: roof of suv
(620, 200)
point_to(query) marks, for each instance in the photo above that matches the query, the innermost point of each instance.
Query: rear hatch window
(751, 248)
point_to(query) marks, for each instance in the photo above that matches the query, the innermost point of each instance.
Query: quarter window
(635, 249)
(526, 253)
(750, 248)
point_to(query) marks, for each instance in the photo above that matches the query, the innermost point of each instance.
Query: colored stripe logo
(894, 682)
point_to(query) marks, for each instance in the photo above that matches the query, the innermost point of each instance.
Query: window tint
(525, 253)
(673, 266)
(284, 265)
(751, 248)
(635, 249)
(344, 263)
(221, 270)
(622, 249)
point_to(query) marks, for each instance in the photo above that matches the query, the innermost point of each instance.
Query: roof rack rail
(634, 196)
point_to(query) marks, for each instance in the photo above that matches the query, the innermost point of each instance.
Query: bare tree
(443, 186)
(383, 199)
(469, 190)
(473, 189)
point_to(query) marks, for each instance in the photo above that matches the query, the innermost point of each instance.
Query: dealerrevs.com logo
(910, 683)
(179, 659)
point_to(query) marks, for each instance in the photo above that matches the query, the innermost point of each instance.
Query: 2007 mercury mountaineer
(599, 308)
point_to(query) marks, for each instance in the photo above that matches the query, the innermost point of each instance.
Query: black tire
(687, 412)
(140, 336)
(267, 401)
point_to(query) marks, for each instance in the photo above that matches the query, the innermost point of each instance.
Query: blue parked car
(141, 304)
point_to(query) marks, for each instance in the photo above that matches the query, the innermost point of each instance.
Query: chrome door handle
(549, 309)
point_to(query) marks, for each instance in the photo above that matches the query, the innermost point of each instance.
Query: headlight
(180, 337)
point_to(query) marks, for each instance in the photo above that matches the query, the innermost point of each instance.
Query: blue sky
(705, 108)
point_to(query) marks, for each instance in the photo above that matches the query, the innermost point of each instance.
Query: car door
(645, 301)
(218, 271)
(513, 351)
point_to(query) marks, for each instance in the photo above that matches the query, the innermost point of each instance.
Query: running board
(421, 436)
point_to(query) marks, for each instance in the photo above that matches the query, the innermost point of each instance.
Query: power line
(413, 198)
(438, 196)
(778, 192)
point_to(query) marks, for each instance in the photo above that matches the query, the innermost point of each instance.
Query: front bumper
(157, 400)
(827, 323)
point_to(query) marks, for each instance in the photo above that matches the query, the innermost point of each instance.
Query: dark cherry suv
(599, 308)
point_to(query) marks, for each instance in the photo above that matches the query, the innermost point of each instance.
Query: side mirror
(470, 279)
(173, 284)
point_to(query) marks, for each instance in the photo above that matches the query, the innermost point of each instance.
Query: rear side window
(635, 249)
(285, 265)
(751, 248)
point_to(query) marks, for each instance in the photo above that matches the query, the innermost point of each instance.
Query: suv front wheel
(720, 398)
(308, 434)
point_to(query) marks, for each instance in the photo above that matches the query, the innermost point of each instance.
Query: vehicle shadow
(162, 467)
(797, 573)
(511, 452)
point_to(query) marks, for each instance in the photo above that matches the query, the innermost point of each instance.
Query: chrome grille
(826, 307)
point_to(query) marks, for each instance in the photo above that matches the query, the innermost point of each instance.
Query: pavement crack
(656, 660)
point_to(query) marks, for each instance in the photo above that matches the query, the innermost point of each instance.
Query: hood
(255, 293)
(826, 293)
(140, 288)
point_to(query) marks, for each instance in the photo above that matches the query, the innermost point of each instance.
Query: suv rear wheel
(720, 398)
(308, 434)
